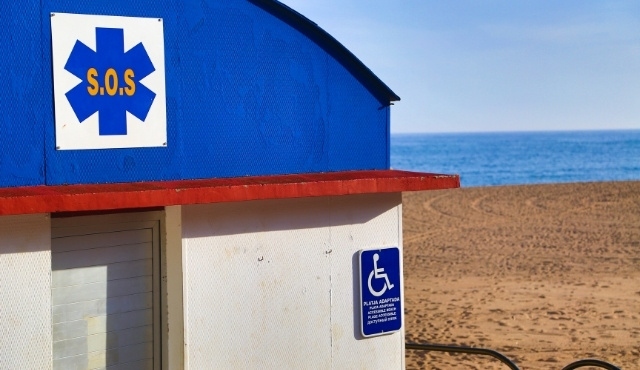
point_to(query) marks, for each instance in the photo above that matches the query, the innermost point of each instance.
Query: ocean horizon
(518, 158)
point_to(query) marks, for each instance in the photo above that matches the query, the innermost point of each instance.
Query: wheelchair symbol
(378, 273)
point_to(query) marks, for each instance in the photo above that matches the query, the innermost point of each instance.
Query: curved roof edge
(331, 45)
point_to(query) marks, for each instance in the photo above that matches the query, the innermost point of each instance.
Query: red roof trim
(74, 198)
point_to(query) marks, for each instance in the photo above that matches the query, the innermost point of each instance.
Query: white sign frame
(72, 134)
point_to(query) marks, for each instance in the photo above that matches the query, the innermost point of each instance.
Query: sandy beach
(545, 274)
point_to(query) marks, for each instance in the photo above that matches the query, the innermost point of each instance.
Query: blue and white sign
(109, 81)
(380, 291)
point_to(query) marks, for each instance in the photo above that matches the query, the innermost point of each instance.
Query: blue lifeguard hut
(190, 185)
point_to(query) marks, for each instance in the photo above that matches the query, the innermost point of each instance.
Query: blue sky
(496, 65)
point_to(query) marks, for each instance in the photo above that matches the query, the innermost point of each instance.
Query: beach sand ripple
(545, 274)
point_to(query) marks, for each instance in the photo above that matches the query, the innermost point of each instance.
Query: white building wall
(25, 292)
(361, 223)
(273, 284)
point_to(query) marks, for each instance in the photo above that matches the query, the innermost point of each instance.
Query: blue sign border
(380, 305)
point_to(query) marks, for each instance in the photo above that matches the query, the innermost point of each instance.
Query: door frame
(69, 224)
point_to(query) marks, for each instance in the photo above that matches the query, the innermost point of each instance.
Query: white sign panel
(108, 81)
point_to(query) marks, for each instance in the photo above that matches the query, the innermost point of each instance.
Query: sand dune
(546, 274)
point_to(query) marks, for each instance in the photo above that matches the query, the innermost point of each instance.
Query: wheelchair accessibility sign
(380, 300)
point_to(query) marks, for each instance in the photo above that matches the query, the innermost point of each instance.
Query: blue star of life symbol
(110, 81)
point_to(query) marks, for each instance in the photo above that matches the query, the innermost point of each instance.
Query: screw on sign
(380, 295)
(110, 81)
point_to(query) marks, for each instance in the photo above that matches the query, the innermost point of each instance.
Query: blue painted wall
(247, 94)
(25, 98)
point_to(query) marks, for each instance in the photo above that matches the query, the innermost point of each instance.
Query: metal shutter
(105, 292)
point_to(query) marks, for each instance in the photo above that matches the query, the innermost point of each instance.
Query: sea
(515, 158)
